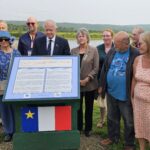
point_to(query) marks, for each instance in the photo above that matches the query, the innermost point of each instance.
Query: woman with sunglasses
(6, 55)
(3, 27)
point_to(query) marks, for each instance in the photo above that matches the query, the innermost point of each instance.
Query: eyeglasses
(31, 23)
(4, 39)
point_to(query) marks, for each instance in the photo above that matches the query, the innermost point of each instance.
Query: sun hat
(6, 34)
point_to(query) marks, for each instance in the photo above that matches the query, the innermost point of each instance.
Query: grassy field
(103, 131)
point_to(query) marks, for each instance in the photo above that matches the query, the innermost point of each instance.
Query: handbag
(3, 85)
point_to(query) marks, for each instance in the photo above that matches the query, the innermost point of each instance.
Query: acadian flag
(46, 118)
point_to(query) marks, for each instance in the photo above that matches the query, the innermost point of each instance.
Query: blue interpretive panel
(43, 78)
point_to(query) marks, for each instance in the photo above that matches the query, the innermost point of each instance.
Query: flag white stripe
(46, 118)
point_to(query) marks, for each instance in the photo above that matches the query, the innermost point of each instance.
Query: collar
(123, 52)
(53, 39)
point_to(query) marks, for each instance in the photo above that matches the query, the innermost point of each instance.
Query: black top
(81, 57)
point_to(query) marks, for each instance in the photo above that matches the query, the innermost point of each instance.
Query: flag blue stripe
(29, 124)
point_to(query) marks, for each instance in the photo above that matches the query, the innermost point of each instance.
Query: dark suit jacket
(24, 44)
(61, 46)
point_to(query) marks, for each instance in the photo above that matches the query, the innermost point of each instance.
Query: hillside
(90, 27)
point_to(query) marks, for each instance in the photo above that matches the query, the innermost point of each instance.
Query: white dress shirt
(52, 44)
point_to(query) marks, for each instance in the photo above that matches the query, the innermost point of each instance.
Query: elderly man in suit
(26, 41)
(51, 44)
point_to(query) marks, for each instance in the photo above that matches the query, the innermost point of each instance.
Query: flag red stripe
(62, 118)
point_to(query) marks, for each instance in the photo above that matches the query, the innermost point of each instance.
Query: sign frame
(9, 96)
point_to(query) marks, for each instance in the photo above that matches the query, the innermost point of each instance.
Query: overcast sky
(120, 12)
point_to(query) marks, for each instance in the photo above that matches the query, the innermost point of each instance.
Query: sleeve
(20, 47)
(103, 74)
(18, 53)
(94, 71)
(66, 48)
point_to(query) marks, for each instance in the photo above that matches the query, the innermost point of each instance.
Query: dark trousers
(89, 100)
(116, 110)
(7, 114)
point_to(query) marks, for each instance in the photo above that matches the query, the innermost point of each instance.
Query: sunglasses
(4, 39)
(31, 23)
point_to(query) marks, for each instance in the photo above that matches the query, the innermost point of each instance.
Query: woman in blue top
(6, 55)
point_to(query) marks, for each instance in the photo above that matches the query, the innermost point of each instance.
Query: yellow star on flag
(29, 114)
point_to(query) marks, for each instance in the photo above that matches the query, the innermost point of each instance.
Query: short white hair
(51, 22)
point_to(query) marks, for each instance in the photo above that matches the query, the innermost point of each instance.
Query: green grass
(1, 134)
(102, 132)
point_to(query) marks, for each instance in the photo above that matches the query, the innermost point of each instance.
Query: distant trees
(17, 30)
(68, 30)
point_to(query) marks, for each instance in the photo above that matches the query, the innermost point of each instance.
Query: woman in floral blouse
(6, 110)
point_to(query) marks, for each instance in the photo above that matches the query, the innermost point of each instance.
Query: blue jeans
(7, 115)
(116, 110)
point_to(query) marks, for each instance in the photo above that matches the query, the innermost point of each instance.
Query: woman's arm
(133, 77)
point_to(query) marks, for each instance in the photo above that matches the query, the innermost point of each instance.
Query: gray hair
(51, 22)
(85, 32)
(139, 29)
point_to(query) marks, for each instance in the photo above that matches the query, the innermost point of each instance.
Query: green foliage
(72, 35)
(67, 35)
(73, 27)
(95, 35)
(17, 34)
(66, 32)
